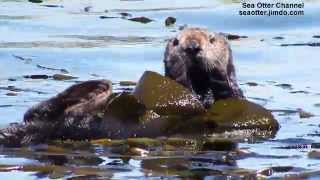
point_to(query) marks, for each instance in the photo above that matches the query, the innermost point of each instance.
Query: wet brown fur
(72, 114)
(202, 61)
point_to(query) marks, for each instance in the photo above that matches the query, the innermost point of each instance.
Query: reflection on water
(73, 37)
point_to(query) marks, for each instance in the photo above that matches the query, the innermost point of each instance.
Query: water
(117, 49)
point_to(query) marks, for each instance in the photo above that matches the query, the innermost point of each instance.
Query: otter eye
(212, 39)
(175, 42)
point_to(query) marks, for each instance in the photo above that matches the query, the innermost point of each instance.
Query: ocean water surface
(75, 35)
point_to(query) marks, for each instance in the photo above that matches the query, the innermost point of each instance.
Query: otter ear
(212, 38)
(175, 42)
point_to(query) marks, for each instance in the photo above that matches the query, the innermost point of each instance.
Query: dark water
(88, 47)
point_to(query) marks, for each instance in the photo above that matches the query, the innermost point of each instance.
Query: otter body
(71, 114)
(202, 61)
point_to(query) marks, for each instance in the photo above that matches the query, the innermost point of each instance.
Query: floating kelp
(304, 114)
(176, 143)
(219, 145)
(252, 84)
(126, 107)
(53, 69)
(312, 44)
(127, 83)
(62, 77)
(285, 86)
(278, 38)
(36, 1)
(170, 21)
(143, 142)
(58, 77)
(240, 114)
(165, 96)
(64, 159)
(234, 36)
(57, 172)
(142, 19)
(157, 107)
(36, 76)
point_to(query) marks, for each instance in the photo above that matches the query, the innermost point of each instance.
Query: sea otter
(196, 58)
(71, 114)
(202, 61)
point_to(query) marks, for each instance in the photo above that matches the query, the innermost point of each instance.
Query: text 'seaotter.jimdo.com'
(272, 8)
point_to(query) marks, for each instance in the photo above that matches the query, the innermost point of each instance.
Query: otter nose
(193, 47)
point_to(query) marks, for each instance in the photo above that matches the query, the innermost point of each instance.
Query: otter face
(200, 48)
(202, 61)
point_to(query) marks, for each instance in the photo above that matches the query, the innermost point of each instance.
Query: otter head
(200, 48)
(199, 55)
